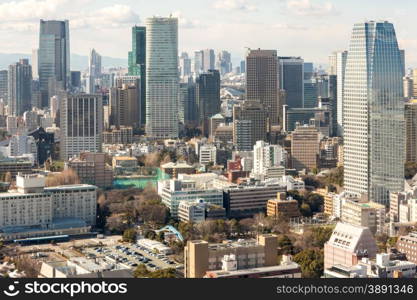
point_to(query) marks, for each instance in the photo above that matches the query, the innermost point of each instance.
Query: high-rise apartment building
(208, 98)
(162, 80)
(408, 87)
(262, 81)
(187, 101)
(265, 157)
(81, 124)
(53, 57)
(291, 77)
(125, 105)
(137, 64)
(20, 87)
(411, 131)
(373, 107)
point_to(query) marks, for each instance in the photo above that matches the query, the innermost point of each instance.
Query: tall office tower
(262, 80)
(208, 98)
(411, 130)
(332, 64)
(408, 83)
(209, 60)
(308, 71)
(35, 65)
(403, 66)
(224, 62)
(311, 93)
(81, 117)
(332, 95)
(137, 64)
(162, 80)
(291, 76)
(341, 72)
(124, 105)
(414, 82)
(53, 57)
(187, 100)
(250, 124)
(4, 85)
(76, 80)
(243, 66)
(185, 65)
(20, 87)
(198, 62)
(305, 145)
(94, 71)
(374, 150)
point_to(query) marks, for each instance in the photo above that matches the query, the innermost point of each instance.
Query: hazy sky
(308, 28)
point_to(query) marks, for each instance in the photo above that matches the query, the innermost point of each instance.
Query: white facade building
(266, 156)
(173, 192)
(208, 154)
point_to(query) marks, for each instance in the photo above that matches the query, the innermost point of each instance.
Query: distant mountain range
(78, 62)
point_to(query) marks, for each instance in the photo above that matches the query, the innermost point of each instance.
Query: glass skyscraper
(373, 111)
(137, 64)
(162, 78)
(53, 58)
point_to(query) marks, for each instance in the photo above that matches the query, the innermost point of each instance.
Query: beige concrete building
(368, 214)
(348, 245)
(215, 122)
(408, 244)
(283, 207)
(124, 105)
(224, 133)
(123, 136)
(305, 143)
(200, 256)
(180, 167)
(91, 168)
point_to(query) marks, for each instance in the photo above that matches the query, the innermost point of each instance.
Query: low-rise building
(348, 245)
(91, 168)
(287, 269)
(201, 257)
(246, 200)
(123, 136)
(173, 192)
(154, 246)
(174, 169)
(35, 211)
(365, 214)
(407, 244)
(208, 154)
(293, 184)
(283, 207)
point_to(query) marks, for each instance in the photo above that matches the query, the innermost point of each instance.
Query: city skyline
(302, 27)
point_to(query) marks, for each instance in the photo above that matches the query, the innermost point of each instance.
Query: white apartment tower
(81, 124)
(162, 80)
(374, 113)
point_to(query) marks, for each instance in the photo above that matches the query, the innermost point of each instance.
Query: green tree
(320, 235)
(285, 245)
(129, 235)
(311, 262)
(141, 271)
(306, 210)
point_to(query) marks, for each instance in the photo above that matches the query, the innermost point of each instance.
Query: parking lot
(130, 256)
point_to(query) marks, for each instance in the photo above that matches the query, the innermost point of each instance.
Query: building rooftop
(221, 273)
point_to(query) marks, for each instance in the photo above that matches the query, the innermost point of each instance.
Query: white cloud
(185, 22)
(311, 8)
(242, 5)
(108, 17)
(28, 9)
